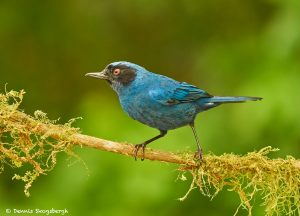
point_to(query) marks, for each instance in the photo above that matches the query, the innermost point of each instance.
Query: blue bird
(159, 101)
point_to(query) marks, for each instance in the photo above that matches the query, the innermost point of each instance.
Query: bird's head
(118, 74)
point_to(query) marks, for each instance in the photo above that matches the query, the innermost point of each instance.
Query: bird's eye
(116, 71)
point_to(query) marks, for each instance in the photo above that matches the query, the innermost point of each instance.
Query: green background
(233, 47)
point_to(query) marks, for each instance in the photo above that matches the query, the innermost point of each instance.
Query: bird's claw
(136, 150)
(199, 156)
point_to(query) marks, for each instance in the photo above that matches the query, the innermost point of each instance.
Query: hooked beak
(99, 75)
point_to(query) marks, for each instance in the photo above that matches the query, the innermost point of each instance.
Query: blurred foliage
(225, 47)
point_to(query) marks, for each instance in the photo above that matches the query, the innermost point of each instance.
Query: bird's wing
(179, 93)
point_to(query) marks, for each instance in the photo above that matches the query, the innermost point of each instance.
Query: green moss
(277, 181)
(23, 148)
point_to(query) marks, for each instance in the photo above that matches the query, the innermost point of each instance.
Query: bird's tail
(219, 99)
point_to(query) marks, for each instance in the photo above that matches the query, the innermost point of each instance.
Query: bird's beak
(99, 75)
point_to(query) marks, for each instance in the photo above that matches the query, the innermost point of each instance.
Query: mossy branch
(58, 132)
(36, 140)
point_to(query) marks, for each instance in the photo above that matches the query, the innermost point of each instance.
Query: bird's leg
(144, 144)
(199, 152)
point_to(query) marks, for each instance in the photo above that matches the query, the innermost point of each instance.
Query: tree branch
(106, 145)
(25, 139)
(97, 143)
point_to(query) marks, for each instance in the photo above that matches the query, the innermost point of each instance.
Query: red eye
(117, 72)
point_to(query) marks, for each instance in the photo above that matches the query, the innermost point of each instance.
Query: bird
(159, 101)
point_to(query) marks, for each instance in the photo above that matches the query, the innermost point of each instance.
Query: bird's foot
(199, 156)
(136, 150)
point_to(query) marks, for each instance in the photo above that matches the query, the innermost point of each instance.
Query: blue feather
(177, 93)
(218, 99)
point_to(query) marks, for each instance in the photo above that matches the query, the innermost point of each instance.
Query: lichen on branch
(21, 144)
(30, 144)
(277, 181)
